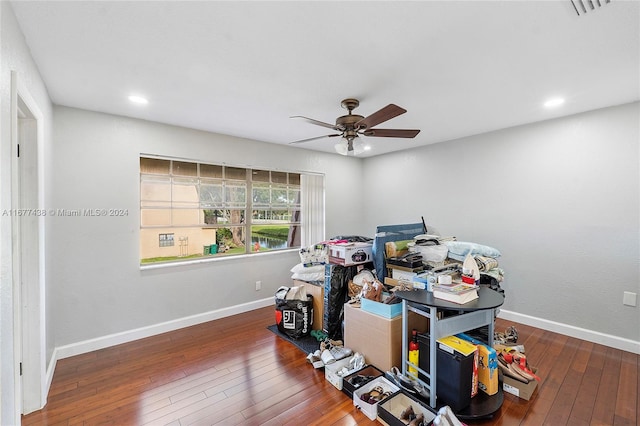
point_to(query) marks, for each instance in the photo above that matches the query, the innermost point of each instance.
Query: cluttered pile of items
(354, 280)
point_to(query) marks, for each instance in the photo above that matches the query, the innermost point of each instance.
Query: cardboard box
(371, 410)
(379, 339)
(487, 365)
(382, 309)
(347, 254)
(317, 291)
(519, 389)
(390, 409)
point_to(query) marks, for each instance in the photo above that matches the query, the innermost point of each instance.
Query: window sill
(149, 267)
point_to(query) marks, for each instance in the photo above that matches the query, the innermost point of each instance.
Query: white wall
(100, 289)
(559, 198)
(15, 56)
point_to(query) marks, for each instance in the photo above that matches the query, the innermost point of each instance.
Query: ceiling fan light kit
(351, 126)
(351, 147)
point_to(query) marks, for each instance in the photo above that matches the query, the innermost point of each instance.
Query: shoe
(421, 391)
(327, 357)
(441, 420)
(340, 352)
(447, 412)
(406, 383)
(356, 362)
(418, 421)
(329, 343)
(509, 337)
(509, 371)
(407, 413)
(315, 360)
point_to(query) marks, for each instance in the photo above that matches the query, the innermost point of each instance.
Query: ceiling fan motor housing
(347, 122)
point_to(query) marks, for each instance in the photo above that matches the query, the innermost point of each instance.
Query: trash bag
(337, 296)
(294, 312)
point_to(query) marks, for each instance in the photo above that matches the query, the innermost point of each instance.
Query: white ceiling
(244, 67)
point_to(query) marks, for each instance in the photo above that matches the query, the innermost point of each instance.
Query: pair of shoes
(329, 343)
(315, 360)
(337, 353)
(509, 337)
(411, 418)
(407, 383)
(359, 380)
(516, 367)
(375, 395)
(333, 350)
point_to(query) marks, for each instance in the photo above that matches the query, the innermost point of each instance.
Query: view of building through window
(192, 210)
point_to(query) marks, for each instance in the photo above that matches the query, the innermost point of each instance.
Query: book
(459, 293)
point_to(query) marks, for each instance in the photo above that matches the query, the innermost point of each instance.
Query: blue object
(388, 233)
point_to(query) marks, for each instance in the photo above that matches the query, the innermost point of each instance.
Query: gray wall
(559, 198)
(98, 287)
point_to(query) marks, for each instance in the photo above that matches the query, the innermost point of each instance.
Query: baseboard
(79, 348)
(621, 343)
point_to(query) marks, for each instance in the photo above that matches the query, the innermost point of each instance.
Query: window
(193, 210)
(165, 240)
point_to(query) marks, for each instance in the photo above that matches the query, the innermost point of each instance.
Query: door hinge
(18, 150)
(21, 369)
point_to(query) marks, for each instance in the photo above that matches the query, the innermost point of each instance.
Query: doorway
(27, 222)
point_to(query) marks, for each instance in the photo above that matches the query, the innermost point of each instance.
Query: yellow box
(457, 344)
(487, 365)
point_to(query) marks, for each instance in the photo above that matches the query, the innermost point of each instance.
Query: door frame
(28, 250)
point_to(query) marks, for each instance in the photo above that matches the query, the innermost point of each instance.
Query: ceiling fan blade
(380, 116)
(313, 139)
(391, 133)
(317, 123)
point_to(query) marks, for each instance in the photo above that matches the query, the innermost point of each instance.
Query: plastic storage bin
(454, 374)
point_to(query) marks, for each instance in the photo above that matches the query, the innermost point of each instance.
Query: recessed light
(138, 100)
(555, 102)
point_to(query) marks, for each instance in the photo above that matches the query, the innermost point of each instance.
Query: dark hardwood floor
(235, 371)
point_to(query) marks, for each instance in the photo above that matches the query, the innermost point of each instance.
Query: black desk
(469, 316)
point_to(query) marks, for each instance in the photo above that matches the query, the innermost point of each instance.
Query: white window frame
(310, 221)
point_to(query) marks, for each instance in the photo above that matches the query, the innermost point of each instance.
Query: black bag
(294, 317)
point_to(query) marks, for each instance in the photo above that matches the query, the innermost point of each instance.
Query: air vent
(582, 7)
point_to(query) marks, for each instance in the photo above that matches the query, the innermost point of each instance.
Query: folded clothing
(317, 254)
(458, 250)
(308, 273)
(485, 263)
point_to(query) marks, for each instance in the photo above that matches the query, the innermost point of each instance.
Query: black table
(469, 316)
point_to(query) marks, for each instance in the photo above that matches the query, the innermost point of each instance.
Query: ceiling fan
(351, 126)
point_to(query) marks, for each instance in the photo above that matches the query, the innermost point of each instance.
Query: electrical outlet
(258, 285)
(629, 298)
